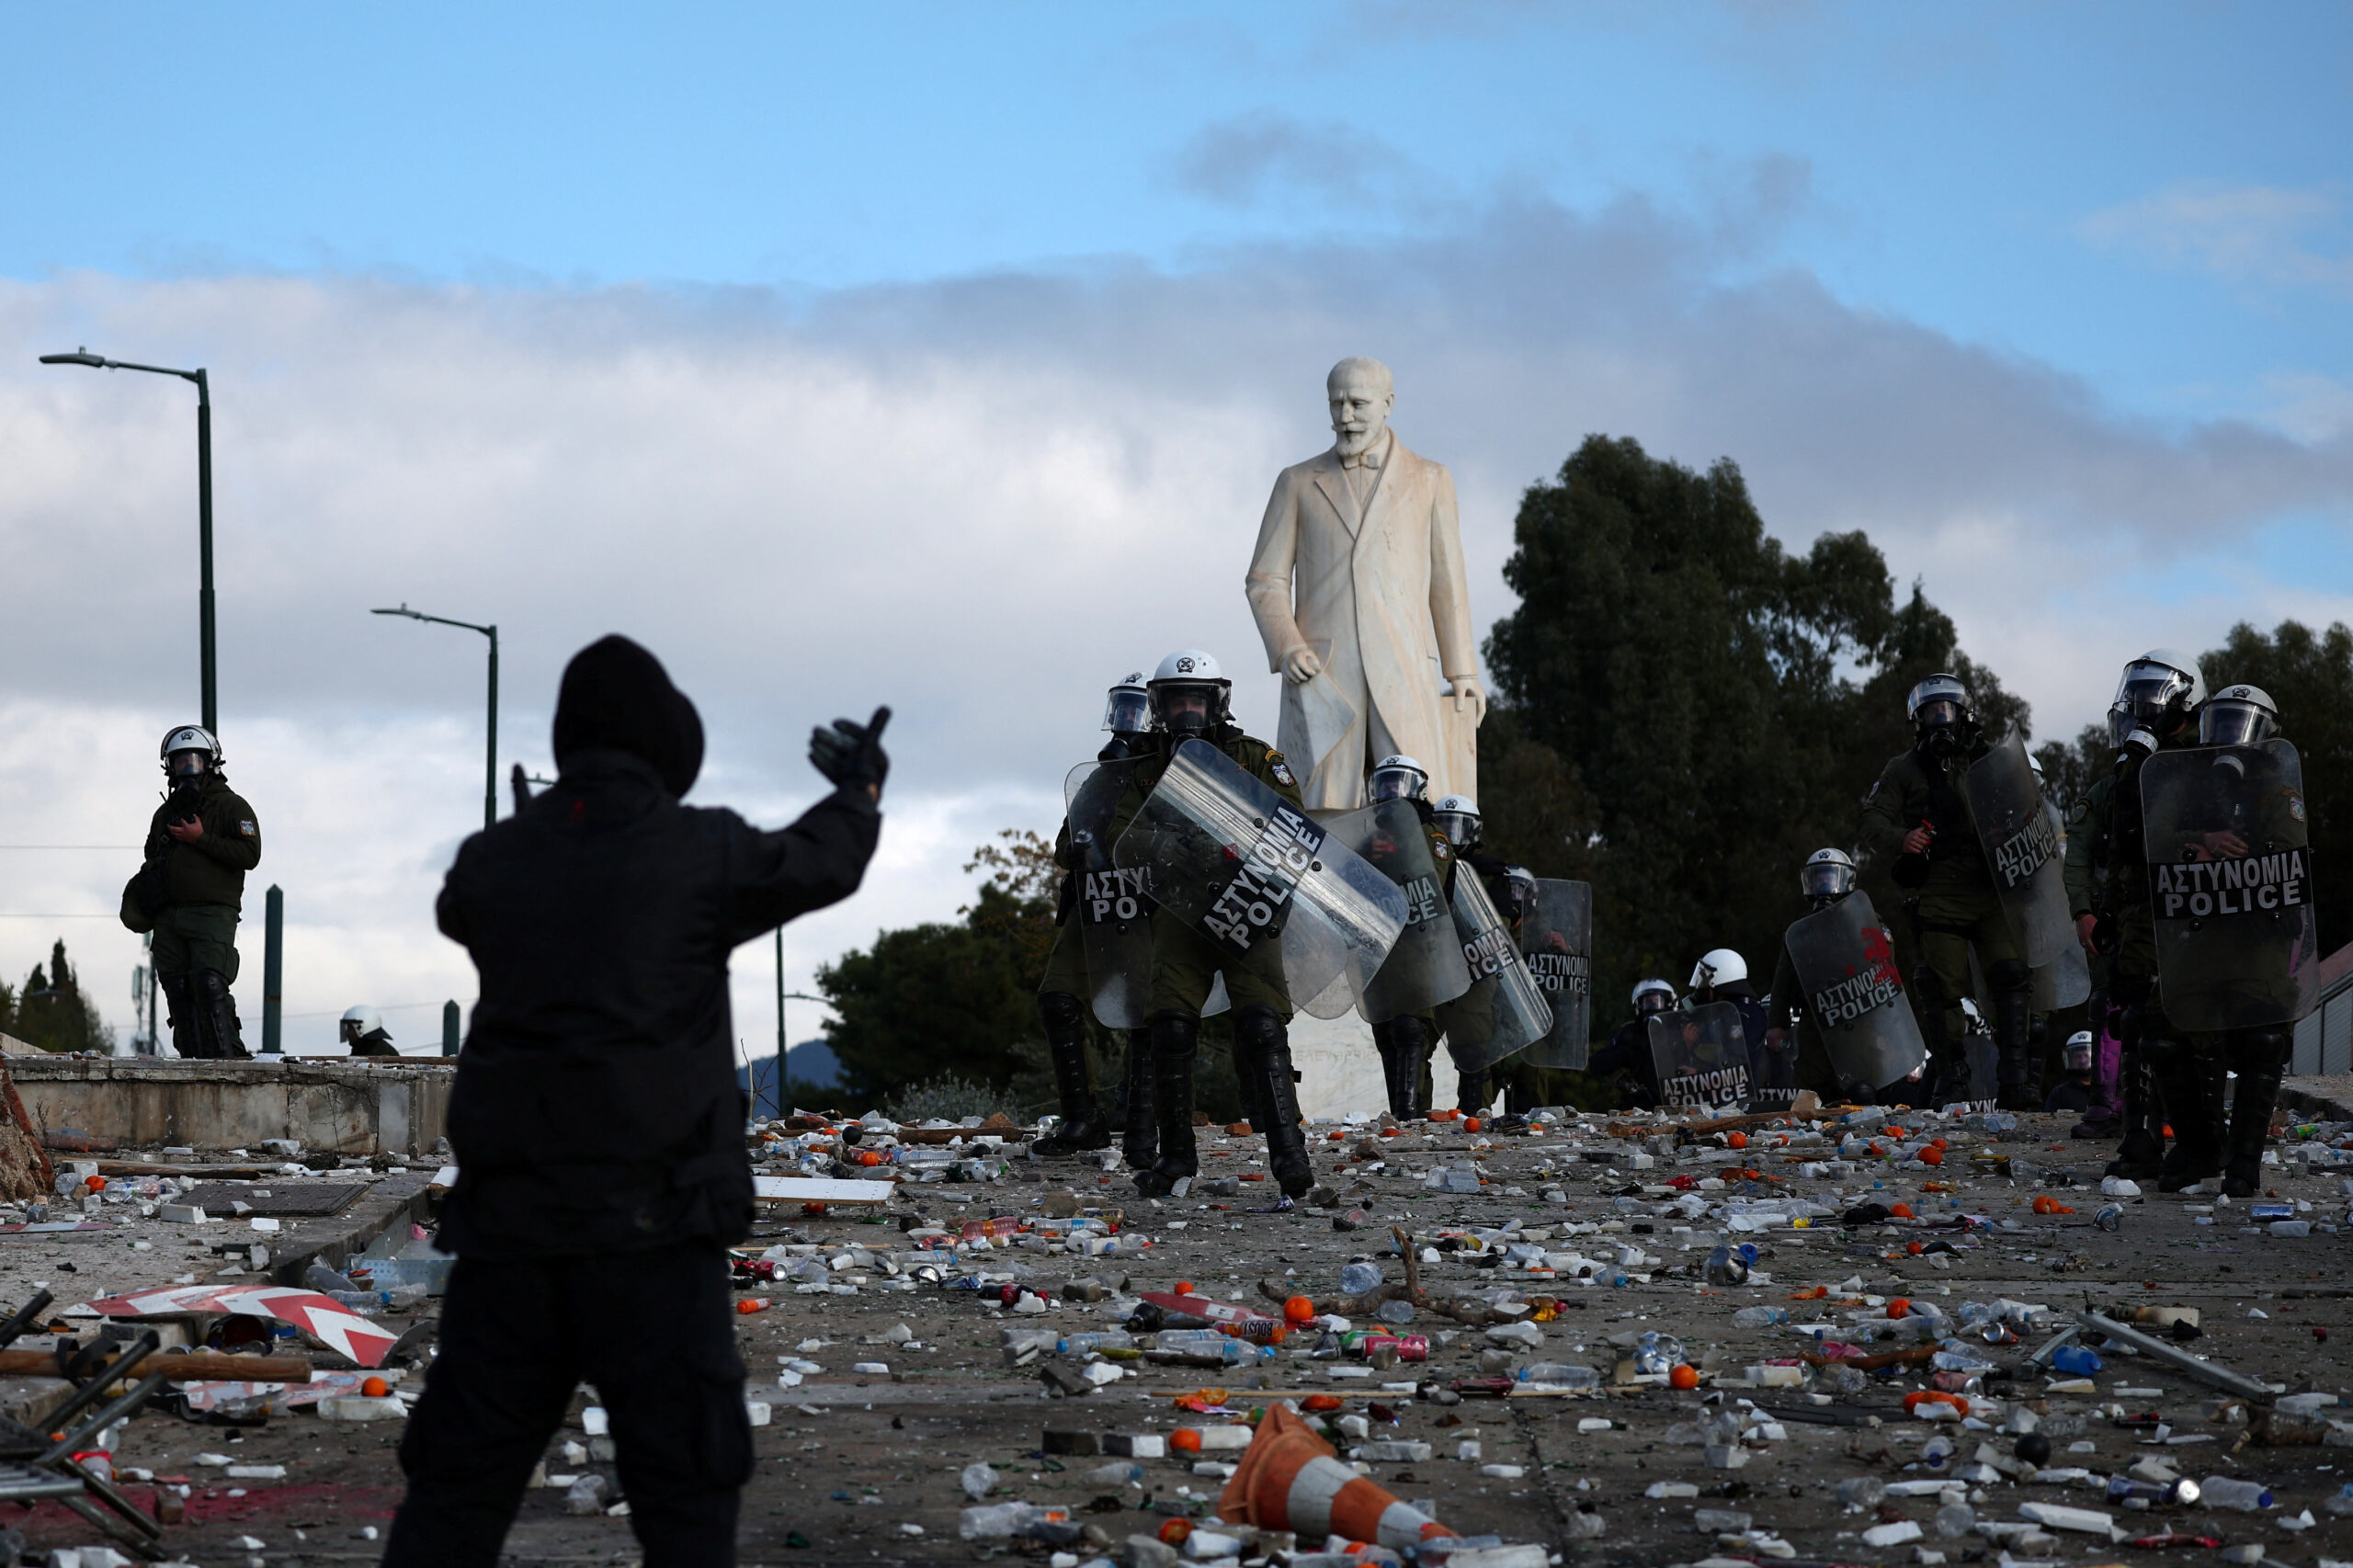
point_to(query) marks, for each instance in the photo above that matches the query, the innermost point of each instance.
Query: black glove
(851, 755)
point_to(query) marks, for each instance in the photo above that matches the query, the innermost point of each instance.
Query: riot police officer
(200, 842)
(1405, 1042)
(2074, 1092)
(1191, 698)
(1627, 1057)
(363, 1031)
(1472, 1091)
(1060, 1009)
(1826, 878)
(2157, 699)
(1918, 816)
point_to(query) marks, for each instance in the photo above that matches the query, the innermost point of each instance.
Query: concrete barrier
(352, 1106)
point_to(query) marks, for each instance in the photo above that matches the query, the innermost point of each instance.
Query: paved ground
(854, 1463)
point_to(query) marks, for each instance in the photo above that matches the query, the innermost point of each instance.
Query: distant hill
(811, 1073)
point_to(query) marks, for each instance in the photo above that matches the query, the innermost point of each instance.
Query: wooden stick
(194, 1367)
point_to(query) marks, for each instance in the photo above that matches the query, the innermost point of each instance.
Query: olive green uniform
(190, 895)
(1954, 907)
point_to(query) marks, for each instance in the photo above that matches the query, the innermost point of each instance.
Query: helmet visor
(2225, 721)
(1827, 879)
(2147, 690)
(1652, 1002)
(1395, 784)
(1184, 706)
(1937, 711)
(1461, 828)
(187, 764)
(1127, 712)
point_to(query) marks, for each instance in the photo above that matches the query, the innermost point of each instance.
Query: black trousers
(653, 1331)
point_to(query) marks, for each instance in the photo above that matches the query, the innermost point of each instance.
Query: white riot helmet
(360, 1022)
(1189, 694)
(2158, 682)
(190, 738)
(1396, 779)
(1827, 875)
(1939, 710)
(1718, 966)
(1646, 989)
(2237, 716)
(1458, 817)
(1127, 709)
(2077, 1055)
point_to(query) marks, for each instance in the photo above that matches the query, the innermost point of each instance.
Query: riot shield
(1854, 995)
(2022, 848)
(1223, 851)
(2066, 980)
(1504, 1010)
(1702, 1057)
(1556, 937)
(1426, 967)
(2231, 885)
(1114, 909)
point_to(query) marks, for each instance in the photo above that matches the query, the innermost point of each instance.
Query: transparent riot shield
(2022, 848)
(2066, 980)
(1114, 908)
(1854, 993)
(1504, 1010)
(1702, 1057)
(1426, 967)
(1556, 939)
(1223, 851)
(2231, 885)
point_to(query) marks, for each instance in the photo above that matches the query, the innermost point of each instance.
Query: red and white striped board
(319, 1317)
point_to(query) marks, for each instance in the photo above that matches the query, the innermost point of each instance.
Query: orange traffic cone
(1290, 1480)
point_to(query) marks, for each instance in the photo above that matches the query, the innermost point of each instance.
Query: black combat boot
(2142, 1153)
(1470, 1092)
(1947, 1077)
(1401, 1042)
(2259, 1057)
(1262, 1052)
(1082, 1125)
(181, 1009)
(1139, 1139)
(2014, 1075)
(2191, 1086)
(216, 1017)
(1176, 1039)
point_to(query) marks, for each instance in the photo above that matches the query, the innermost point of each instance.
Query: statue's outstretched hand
(1467, 689)
(1301, 665)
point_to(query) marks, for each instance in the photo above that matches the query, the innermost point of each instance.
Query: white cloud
(978, 500)
(2255, 234)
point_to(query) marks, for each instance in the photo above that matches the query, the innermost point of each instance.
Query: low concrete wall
(337, 1103)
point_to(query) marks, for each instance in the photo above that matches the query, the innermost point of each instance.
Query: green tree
(1687, 710)
(52, 1013)
(2310, 676)
(950, 999)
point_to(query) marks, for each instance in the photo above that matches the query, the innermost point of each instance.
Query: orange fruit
(1915, 1248)
(2042, 1203)
(1737, 1141)
(1299, 1309)
(1174, 1532)
(1470, 1124)
(1184, 1287)
(1184, 1440)
(1899, 1307)
(1932, 1157)
(375, 1388)
(1683, 1375)
(1901, 1210)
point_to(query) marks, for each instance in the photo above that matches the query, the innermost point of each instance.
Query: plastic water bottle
(1108, 1339)
(1955, 1521)
(1356, 1279)
(2076, 1360)
(1561, 1375)
(1760, 1317)
(1861, 1492)
(2230, 1492)
(1935, 1451)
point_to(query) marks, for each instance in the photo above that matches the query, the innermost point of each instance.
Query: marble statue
(1359, 591)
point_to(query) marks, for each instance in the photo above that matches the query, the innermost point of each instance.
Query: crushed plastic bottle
(1657, 1354)
(1561, 1375)
(1760, 1317)
(1955, 1521)
(1861, 1492)
(2230, 1492)
(1356, 1279)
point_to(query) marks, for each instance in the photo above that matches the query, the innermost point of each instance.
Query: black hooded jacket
(596, 1108)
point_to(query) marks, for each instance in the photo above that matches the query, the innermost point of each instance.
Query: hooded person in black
(596, 1120)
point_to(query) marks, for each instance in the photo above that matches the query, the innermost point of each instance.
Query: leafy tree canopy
(1687, 710)
(49, 1010)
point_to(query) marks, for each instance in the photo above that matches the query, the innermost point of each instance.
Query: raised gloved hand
(851, 755)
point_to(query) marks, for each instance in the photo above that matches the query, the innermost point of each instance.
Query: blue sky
(944, 355)
(1949, 164)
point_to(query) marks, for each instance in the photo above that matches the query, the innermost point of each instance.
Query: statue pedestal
(1341, 1071)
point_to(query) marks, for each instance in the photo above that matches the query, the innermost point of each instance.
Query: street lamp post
(490, 762)
(206, 661)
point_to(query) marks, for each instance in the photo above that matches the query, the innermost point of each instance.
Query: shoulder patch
(1439, 851)
(1280, 769)
(246, 828)
(2080, 811)
(2296, 804)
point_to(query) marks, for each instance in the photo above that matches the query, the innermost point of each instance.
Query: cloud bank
(978, 499)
